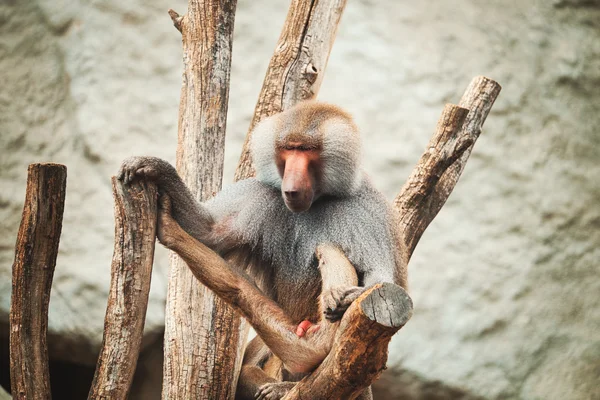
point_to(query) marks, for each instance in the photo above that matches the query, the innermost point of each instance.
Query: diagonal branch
(297, 67)
(443, 161)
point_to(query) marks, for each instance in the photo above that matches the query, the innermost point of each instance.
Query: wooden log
(32, 272)
(203, 343)
(360, 347)
(131, 270)
(298, 64)
(443, 161)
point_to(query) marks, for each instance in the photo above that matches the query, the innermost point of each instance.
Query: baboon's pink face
(300, 168)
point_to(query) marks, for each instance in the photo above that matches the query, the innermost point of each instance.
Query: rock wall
(505, 281)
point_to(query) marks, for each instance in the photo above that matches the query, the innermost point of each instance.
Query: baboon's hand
(337, 300)
(274, 391)
(151, 168)
(168, 231)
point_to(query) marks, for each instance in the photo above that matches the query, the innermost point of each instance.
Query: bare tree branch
(440, 166)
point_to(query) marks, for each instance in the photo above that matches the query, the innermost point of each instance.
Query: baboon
(258, 242)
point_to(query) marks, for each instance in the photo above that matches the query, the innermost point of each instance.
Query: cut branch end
(360, 348)
(388, 305)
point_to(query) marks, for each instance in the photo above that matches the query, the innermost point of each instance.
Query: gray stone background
(505, 281)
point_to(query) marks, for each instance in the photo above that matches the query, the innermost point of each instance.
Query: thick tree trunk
(203, 342)
(131, 270)
(297, 67)
(33, 269)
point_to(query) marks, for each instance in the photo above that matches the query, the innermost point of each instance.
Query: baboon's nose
(292, 194)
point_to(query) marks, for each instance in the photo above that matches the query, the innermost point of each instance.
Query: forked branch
(443, 161)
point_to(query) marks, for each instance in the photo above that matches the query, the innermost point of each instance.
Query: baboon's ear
(341, 157)
(262, 149)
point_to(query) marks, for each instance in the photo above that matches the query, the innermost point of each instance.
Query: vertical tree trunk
(131, 271)
(33, 269)
(203, 343)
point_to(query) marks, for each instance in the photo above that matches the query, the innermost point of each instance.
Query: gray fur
(359, 224)
(262, 147)
(341, 158)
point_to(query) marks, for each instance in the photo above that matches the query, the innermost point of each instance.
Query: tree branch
(443, 161)
(131, 270)
(33, 269)
(176, 18)
(297, 67)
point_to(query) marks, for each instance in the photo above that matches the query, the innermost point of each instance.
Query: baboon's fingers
(335, 315)
(274, 391)
(130, 176)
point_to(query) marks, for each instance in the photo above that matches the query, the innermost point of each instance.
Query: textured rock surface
(505, 281)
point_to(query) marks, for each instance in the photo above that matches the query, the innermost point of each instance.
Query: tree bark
(131, 270)
(33, 269)
(440, 166)
(297, 67)
(203, 342)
